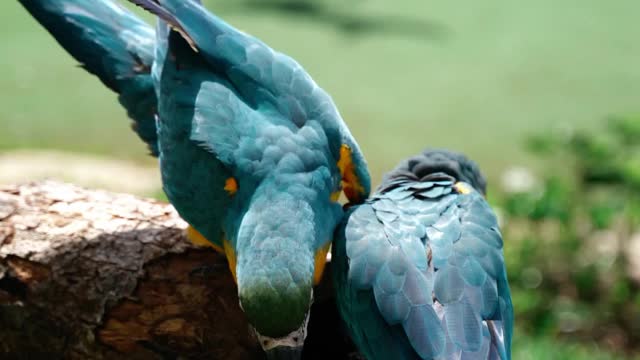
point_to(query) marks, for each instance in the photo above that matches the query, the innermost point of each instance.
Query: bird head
(277, 251)
(437, 161)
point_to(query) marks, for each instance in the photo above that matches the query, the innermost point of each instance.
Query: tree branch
(91, 274)
(87, 274)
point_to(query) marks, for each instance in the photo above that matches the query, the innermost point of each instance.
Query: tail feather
(163, 14)
(220, 44)
(94, 31)
(112, 43)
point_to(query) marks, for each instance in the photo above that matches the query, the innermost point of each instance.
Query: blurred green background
(541, 94)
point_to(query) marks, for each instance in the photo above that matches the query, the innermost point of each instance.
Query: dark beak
(285, 353)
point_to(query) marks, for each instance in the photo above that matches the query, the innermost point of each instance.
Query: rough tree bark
(95, 275)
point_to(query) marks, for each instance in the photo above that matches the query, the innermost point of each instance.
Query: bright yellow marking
(462, 188)
(350, 182)
(335, 196)
(231, 258)
(198, 239)
(320, 262)
(231, 185)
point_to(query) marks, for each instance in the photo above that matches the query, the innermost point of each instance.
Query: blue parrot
(253, 154)
(418, 268)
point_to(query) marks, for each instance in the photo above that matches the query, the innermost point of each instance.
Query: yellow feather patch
(462, 188)
(320, 262)
(350, 182)
(231, 185)
(198, 239)
(231, 258)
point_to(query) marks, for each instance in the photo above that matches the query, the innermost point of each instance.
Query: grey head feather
(434, 165)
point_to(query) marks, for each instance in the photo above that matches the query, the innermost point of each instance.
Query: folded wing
(251, 87)
(428, 262)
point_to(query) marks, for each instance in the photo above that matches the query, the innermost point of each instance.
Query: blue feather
(444, 250)
(266, 81)
(425, 332)
(388, 282)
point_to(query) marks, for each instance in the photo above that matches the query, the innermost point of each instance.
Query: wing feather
(444, 295)
(268, 88)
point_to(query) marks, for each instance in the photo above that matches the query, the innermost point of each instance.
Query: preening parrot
(419, 269)
(252, 152)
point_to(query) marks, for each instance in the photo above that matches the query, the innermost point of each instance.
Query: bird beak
(284, 353)
(288, 347)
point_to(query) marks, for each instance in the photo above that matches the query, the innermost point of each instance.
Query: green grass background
(495, 72)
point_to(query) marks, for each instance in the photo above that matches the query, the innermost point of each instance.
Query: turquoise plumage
(251, 150)
(419, 268)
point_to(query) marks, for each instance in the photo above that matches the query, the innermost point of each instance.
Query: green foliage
(567, 239)
(536, 348)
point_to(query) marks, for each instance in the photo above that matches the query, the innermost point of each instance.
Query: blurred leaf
(627, 129)
(527, 301)
(543, 144)
(592, 147)
(602, 215)
(586, 286)
(520, 204)
(554, 202)
(551, 348)
(621, 292)
(535, 308)
(586, 281)
(631, 171)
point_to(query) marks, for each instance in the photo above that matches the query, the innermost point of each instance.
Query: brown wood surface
(91, 274)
